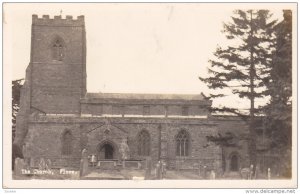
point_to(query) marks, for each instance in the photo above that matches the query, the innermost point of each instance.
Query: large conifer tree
(243, 65)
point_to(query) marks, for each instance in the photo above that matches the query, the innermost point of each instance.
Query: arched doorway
(106, 151)
(234, 163)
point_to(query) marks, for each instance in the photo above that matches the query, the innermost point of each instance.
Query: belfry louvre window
(67, 143)
(58, 50)
(182, 143)
(144, 143)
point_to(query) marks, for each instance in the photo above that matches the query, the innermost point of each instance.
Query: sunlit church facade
(58, 118)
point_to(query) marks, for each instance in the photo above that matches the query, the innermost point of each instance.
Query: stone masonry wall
(57, 85)
(138, 109)
(44, 138)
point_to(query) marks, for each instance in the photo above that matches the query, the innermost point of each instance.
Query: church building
(58, 118)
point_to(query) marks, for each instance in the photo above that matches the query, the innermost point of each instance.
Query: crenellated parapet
(57, 20)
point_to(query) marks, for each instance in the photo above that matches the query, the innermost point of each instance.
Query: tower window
(58, 50)
(182, 143)
(144, 143)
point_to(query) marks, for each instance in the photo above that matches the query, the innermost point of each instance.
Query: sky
(135, 47)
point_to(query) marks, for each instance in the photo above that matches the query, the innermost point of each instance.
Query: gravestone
(269, 173)
(204, 172)
(245, 173)
(42, 164)
(148, 168)
(251, 173)
(158, 170)
(19, 166)
(212, 175)
(84, 163)
(164, 170)
(124, 150)
(32, 163)
(48, 164)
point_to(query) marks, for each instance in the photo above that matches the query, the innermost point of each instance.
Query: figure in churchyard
(124, 150)
(93, 160)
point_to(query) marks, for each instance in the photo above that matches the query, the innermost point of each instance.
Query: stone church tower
(58, 64)
(56, 75)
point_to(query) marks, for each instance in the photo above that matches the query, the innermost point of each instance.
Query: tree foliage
(250, 52)
(279, 109)
(278, 120)
(244, 65)
(16, 93)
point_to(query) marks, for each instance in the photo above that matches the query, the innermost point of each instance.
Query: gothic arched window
(182, 143)
(58, 49)
(144, 143)
(67, 143)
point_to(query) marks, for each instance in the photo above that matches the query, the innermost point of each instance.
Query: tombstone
(199, 168)
(124, 150)
(148, 168)
(84, 163)
(269, 173)
(31, 163)
(256, 171)
(158, 170)
(19, 166)
(245, 173)
(164, 169)
(204, 172)
(251, 172)
(42, 164)
(212, 175)
(48, 164)
(139, 165)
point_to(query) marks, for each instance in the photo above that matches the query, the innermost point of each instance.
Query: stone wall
(240, 130)
(122, 108)
(44, 138)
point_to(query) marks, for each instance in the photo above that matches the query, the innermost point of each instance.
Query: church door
(106, 151)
